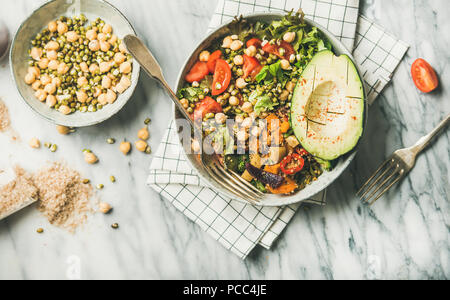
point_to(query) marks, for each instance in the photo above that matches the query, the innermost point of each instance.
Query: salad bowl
(323, 181)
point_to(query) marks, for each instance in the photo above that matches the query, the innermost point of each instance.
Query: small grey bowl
(34, 24)
(312, 189)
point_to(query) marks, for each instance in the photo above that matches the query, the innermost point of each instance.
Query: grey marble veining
(405, 235)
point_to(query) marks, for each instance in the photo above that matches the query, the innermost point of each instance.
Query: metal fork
(396, 167)
(228, 179)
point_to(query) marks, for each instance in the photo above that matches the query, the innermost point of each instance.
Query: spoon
(4, 40)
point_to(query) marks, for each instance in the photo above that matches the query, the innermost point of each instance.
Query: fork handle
(426, 140)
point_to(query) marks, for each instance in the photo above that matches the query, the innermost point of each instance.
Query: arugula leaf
(263, 103)
(190, 92)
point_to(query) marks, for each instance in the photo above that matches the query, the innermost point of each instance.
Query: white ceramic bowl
(270, 200)
(35, 23)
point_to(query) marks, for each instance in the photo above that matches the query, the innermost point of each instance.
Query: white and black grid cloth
(240, 227)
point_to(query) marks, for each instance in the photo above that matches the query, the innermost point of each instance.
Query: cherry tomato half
(254, 42)
(198, 72)
(275, 49)
(424, 76)
(222, 77)
(213, 59)
(292, 164)
(251, 66)
(207, 105)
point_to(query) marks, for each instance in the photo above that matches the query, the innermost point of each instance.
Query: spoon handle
(148, 62)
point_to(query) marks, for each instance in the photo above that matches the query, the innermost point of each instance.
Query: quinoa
(5, 121)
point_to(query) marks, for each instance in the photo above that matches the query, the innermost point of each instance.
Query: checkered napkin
(240, 227)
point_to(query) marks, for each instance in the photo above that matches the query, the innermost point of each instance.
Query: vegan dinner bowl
(88, 75)
(278, 68)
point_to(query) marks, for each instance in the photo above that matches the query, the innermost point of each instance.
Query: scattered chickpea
(62, 28)
(35, 71)
(184, 102)
(52, 27)
(64, 109)
(104, 207)
(81, 96)
(53, 64)
(52, 45)
(284, 95)
(45, 79)
(101, 36)
(72, 36)
(204, 56)
(122, 48)
(104, 67)
(94, 68)
(34, 143)
(107, 28)
(227, 42)
(250, 51)
(241, 83)
(143, 134)
(236, 45)
(238, 60)
(125, 67)
(289, 37)
(290, 86)
(36, 85)
(220, 118)
(285, 65)
(50, 100)
(36, 53)
(62, 68)
(64, 130)
(43, 63)
(119, 57)
(94, 45)
(195, 146)
(106, 82)
(41, 95)
(125, 147)
(52, 55)
(90, 157)
(91, 34)
(141, 145)
(104, 46)
(234, 100)
(50, 88)
(247, 107)
(111, 96)
(30, 78)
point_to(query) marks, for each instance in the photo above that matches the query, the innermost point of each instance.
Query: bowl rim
(291, 199)
(136, 68)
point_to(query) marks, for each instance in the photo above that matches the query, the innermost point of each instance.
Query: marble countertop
(404, 236)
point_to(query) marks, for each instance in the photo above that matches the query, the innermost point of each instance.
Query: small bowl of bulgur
(69, 63)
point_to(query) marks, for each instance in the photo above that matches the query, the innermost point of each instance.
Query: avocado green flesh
(327, 111)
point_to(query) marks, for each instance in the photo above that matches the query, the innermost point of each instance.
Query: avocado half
(327, 109)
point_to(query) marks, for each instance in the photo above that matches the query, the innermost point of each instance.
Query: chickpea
(204, 56)
(242, 135)
(247, 107)
(125, 81)
(36, 85)
(289, 37)
(52, 45)
(81, 96)
(53, 64)
(30, 78)
(122, 48)
(104, 207)
(50, 100)
(106, 82)
(94, 68)
(113, 39)
(234, 37)
(119, 58)
(52, 54)
(91, 34)
(72, 36)
(97, 91)
(238, 60)
(36, 53)
(105, 66)
(143, 134)
(195, 146)
(110, 96)
(34, 143)
(241, 83)
(63, 129)
(285, 65)
(35, 71)
(250, 51)
(141, 145)
(227, 42)
(102, 99)
(84, 67)
(107, 28)
(43, 63)
(236, 45)
(290, 86)
(82, 81)
(247, 122)
(220, 118)
(62, 68)
(120, 88)
(284, 95)
(104, 46)
(90, 157)
(239, 119)
(56, 81)
(45, 79)
(125, 147)
(50, 88)
(184, 102)
(62, 28)
(41, 95)
(94, 45)
(64, 109)
(125, 67)
(101, 37)
(52, 27)
(234, 101)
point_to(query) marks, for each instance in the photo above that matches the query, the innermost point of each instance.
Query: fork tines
(388, 174)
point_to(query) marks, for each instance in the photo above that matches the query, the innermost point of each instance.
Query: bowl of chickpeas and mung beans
(69, 63)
